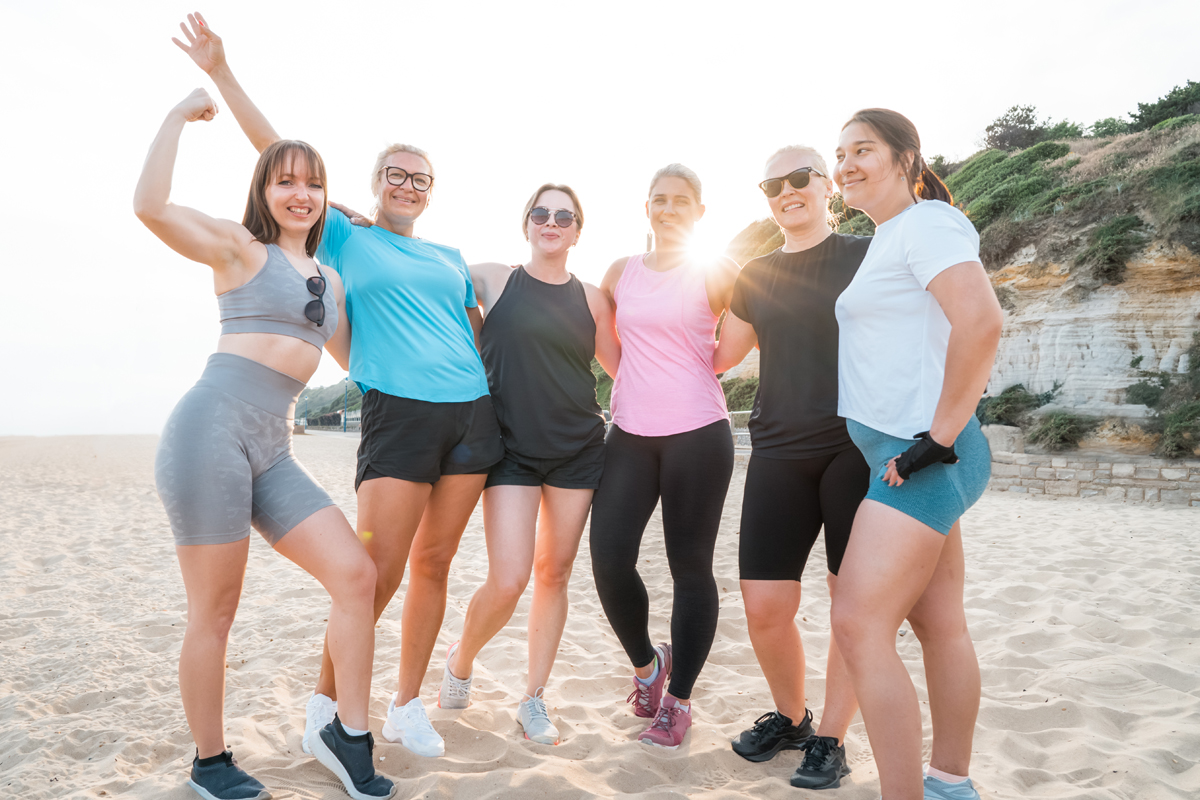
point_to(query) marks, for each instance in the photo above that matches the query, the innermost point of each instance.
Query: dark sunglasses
(315, 310)
(396, 177)
(562, 217)
(798, 179)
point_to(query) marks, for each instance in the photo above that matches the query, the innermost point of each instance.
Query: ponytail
(928, 186)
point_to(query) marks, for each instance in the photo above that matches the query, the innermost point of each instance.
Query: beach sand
(1084, 615)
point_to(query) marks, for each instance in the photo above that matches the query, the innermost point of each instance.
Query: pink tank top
(665, 383)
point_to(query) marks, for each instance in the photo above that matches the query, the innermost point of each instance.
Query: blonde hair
(678, 171)
(818, 162)
(387, 152)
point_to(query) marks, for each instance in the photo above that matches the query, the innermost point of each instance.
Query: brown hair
(552, 187)
(901, 136)
(278, 157)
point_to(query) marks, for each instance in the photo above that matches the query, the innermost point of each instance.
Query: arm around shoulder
(608, 343)
(338, 345)
(489, 279)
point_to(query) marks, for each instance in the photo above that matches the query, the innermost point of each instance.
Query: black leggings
(785, 504)
(690, 472)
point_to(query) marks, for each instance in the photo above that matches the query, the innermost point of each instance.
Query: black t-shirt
(788, 298)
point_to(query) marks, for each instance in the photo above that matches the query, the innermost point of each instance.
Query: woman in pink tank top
(670, 441)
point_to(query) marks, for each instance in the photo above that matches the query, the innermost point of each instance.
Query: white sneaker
(455, 692)
(534, 719)
(317, 714)
(409, 726)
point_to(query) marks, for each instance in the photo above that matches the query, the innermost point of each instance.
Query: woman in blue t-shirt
(429, 432)
(918, 331)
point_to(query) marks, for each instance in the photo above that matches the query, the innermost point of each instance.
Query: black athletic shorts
(785, 504)
(580, 471)
(420, 442)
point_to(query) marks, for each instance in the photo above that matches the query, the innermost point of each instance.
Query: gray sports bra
(273, 301)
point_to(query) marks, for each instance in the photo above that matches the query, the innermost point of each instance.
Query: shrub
(1112, 245)
(1144, 393)
(993, 184)
(1015, 129)
(604, 385)
(1062, 130)
(739, 393)
(1177, 122)
(1181, 431)
(1061, 430)
(1176, 103)
(1110, 126)
(1012, 406)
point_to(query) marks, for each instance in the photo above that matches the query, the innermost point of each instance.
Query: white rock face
(1087, 344)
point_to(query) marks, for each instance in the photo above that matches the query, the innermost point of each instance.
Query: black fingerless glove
(923, 453)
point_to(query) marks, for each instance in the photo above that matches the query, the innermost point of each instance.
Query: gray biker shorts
(225, 462)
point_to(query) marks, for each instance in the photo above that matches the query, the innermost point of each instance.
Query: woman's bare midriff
(287, 354)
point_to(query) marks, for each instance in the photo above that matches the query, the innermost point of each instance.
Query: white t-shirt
(892, 332)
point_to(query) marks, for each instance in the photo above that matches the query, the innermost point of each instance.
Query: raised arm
(208, 51)
(220, 243)
(608, 344)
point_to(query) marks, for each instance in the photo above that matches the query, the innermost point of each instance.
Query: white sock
(683, 706)
(944, 776)
(653, 675)
(353, 731)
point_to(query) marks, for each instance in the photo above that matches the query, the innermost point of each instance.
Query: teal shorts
(937, 495)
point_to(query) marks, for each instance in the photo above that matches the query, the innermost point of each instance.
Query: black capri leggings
(786, 503)
(690, 472)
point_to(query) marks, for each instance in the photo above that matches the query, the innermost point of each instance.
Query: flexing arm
(966, 297)
(208, 51)
(608, 344)
(191, 233)
(737, 337)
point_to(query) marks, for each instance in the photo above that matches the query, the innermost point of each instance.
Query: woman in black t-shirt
(804, 471)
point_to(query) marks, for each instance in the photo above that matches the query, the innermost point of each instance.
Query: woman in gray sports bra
(225, 463)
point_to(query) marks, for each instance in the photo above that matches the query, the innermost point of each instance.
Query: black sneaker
(349, 757)
(824, 764)
(771, 733)
(220, 778)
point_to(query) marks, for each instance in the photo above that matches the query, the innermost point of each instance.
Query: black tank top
(538, 342)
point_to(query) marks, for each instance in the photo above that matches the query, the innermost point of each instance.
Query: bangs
(290, 157)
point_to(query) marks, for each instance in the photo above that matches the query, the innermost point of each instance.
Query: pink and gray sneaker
(670, 724)
(647, 698)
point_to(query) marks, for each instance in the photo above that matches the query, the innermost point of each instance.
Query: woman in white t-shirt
(919, 326)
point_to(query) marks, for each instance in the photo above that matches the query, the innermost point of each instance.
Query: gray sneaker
(938, 789)
(220, 778)
(318, 712)
(455, 692)
(534, 719)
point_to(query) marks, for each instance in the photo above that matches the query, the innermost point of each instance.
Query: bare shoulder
(597, 300)
(613, 275)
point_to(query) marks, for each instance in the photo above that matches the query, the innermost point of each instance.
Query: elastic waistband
(252, 382)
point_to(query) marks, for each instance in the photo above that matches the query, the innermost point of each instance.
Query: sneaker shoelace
(419, 720)
(537, 709)
(665, 719)
(819, 748)
(458, 688)
(640, 696)
(767, 726)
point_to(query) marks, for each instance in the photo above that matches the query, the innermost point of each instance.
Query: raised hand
(204, 47)
(197, 106)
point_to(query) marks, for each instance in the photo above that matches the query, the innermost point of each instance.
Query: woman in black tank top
(542, 326)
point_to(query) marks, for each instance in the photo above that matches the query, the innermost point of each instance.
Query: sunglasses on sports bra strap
(315, 310)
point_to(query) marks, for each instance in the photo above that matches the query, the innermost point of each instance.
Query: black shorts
(420, 442)
(786, 502)
(579, 471)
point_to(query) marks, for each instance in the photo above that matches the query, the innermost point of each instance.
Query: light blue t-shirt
(406, 302)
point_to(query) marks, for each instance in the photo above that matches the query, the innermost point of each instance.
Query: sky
(112, 327)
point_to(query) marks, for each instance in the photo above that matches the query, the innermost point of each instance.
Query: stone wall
(1132, 478)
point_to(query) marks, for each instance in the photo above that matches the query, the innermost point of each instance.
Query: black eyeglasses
(798, 179)
(315, 310)
(396, 177)
(562, 217)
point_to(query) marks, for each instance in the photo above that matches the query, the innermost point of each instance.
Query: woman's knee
(355, 581)
(431, 564)
(768, 612)
(553, 574)
(509, 587)
(213, 619)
